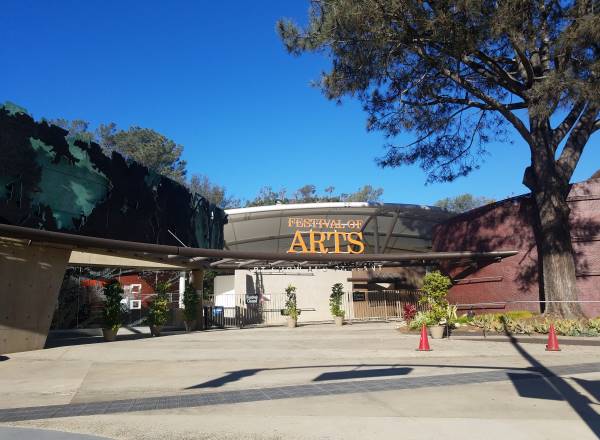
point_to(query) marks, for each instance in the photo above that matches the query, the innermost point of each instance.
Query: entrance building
(372, 291)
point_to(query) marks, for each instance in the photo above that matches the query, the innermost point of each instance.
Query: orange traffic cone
(424, 343)
(552, 340)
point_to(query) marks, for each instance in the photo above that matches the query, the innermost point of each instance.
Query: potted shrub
(291, 306)
(190, 303)
(158, 314)
(335, 304)
(439, 312)
(111, 313)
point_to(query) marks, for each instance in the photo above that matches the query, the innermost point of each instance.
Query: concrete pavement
(546, 405)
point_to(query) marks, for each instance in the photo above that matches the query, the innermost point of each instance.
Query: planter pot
(436, 331)
(339, 320)
(155, 330)
(292, 322)
(190, 326)
(109, 334)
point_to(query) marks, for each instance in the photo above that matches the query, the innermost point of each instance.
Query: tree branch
(500, 70)
(559, 133)
(577, 139)
(462, 101)
(495, 76)
(516, 122)
(525, 63)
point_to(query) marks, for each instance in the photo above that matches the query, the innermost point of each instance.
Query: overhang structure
(131, 254)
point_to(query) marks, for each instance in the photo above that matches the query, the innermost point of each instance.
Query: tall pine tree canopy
(152, 149)
(456, 73)
(459, 74)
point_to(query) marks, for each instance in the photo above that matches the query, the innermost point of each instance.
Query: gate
(233, 311)
(383, 304)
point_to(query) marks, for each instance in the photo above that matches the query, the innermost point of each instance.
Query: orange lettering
(298, 241)
(336, 240)
(320, 242)
(358, 242)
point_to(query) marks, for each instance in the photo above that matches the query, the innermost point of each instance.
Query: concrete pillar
(198, 282)
(30, 280)
(181, 288)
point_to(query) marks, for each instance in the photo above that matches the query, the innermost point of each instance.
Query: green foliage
(456, 73)
(367, 193)
(217, 194)
(77, 128)
(435, 287)
(152, 149)
(435, 316)
(525, 322)
(158, 314)
(208, 284)
(541, 326)
(462, 203)
(486, 321)
(463, 319)
(308, 194)
(517, 314)
(111, 313)
(291, 306)
(594, 326)
(421, 318)
(459, 76)
(570, 327)
(190, 302)
(335, 300)
(143, 145)
(435, 290)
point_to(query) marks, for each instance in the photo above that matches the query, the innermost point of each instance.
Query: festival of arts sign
(323, 236)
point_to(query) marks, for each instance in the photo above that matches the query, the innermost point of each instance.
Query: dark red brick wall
(507, 225)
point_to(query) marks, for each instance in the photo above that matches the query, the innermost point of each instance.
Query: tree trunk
(549, 188)
(556, 253)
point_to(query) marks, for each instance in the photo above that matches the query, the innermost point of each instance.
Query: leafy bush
(486, 321)
(594, 327)
(517, 314)
(506, 322)
(291, 306)
(464, 319)
(335, 300)
(541, 326)
(408, 312)
(451, 316)
(158, 314)
(190, 302)
(111, 313)
(420, 319)
(435, 290)
(570, 327)
(516, 326)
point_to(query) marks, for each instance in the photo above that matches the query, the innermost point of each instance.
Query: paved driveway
(314, 382)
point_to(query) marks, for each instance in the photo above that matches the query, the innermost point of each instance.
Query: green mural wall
(52, 181)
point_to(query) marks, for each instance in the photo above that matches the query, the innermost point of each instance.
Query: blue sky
(214, 77)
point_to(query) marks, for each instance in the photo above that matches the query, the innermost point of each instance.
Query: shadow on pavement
(556, 386)
(361, 374)
(233, 376)
(4, 358)
(533, 386)
(591, 386)
(63, 340)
